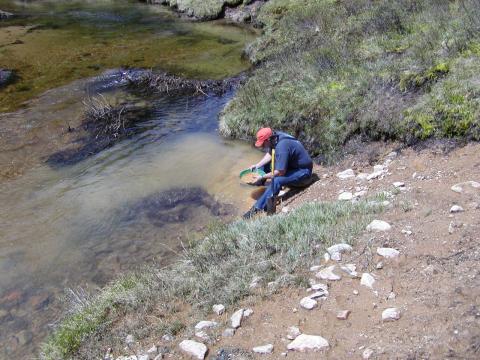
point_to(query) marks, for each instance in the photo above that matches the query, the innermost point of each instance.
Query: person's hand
(257, 178)
(252, 167)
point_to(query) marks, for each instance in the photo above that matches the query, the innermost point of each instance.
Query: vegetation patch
(332, 71)
(217, 269)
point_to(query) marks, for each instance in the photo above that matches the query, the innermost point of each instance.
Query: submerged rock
(4, 15)
(6, 76)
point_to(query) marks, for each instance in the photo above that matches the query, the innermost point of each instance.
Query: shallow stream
(80, 224)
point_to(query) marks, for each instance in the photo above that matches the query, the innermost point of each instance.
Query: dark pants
(298, 177)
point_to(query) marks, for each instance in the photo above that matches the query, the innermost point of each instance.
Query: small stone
(388, 252)
(336, 256)
(362, 176)
(308, 303)
(255, 282)
(390, 314)
(228, 332)
(407, 232)
(202, 325)
(320, 287)
(459, 188)
(367, 354)
(392, 155)
(378, 168)
(129, 340)
(293, 332)
(345, 196)
(451, 228)
(315, 268)
(202, 335)
(326, 257)
(284, 354)
(218, 309)
(328, 274)
(360, 193)
(391, 296)
(374, 175)
(264, 349)
(367, 280)
(193, 348)
(153, 351)
(350, 269)
(318, 294)
(306, 342)
(343, 314)
(399, 184)
(339, 248)
(355, 292)
(378, 225)
(379, 265)
(167, 337)
(346, 174)
(456, 209)
(236, 319)
(247, 313)
(143, 357)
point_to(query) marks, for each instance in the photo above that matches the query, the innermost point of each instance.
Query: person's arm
(265, 160)
(276, 172)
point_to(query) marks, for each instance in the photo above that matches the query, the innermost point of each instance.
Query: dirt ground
(434, 282)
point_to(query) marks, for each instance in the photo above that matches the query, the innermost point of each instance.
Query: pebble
(306, 342)
(167, 337)
(458, 188)
(328, 274)
(293, 332)
(355, 292)
(407, 232)
(322, 287)
(339, 248)
(218, 309)
(343, 314)
(315, 268)
(346, 174)
(228, 332)
(345, 196)
(264, 349)
(456, 209)
(336, 256)
(308, 303)
(379, 265)
(391, 296)
(378, 225)
(362, 176)
(367, 354)
(153, 351)
(318, 294)
(247, 313)
(378, 168)
(399, 184)
(236, 319)
(375, 175)
(129, 340)
(205, 325)
(367, 280)
(388, 252)
(193, 348)
(350, 269)
(390, 314)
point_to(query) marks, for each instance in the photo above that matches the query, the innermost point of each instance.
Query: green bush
(332, 70)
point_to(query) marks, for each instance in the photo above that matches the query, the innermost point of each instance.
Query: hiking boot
(251, 213)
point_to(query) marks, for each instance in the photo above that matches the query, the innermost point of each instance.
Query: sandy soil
(434, 282)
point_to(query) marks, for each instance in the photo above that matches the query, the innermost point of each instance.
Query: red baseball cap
(263, 135)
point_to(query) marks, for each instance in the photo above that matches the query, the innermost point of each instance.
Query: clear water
(81, 225)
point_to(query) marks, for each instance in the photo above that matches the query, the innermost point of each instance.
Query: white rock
(391, 296)
(319, 294)
(306, 342)
(193, 348)
(336, 256)
(343, 314)
(451, 228)
(236, 319)
(308, 303)
(153, 351)
(339, 248)
(378, 168)
(362, 176)
(360, 193)
(390, 314)
(202, 335)
(367, 280)
(367, 354)
(392, 155)
(350, 269)
(143, 357)
(379, 265)
(320, 287)
(345, 196)
(131, 357)
(228, 332)
(456, 209)
(264, 349)
(315, 268)
(374, 175)
(407, 232)
(255, 282)
(355, 292)
(399, 184)
(167, 337)
(346, 174)
(202, 325)
(293, 332)
(388, 252)
(218, 309)
(458, 188)
(285, 209)
(129, 340)
(247, 313)
(326, 257)
(328, 274)
(378, 225)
